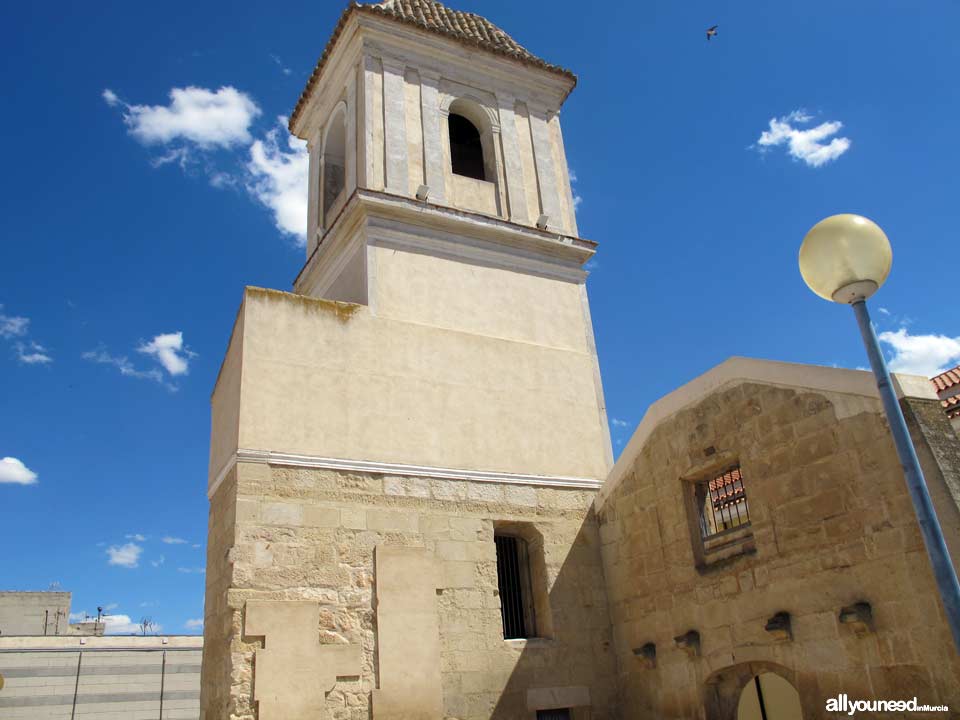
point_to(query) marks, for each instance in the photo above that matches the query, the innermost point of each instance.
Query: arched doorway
(768, 696)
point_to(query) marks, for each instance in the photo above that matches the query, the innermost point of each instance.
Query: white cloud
(283, 68)
(278, 179)
(158, 562)
(926, 355)
(193, 624)
(123, 364)
(27, 351)
(577, 198)
(806, 145)
(127, 555)
(12, 325)
(136, 536)
(32, 353)
(617, 422)
(169, 351)
(173, 540)
(192, 571)
(196, 546)
(166, 349)
(14, 471)
(206, 118)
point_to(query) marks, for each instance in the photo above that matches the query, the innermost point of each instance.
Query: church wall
(218, 622)
(478, 299)
(312, 534)
(831, 524)
(333, 380)
(225, 401)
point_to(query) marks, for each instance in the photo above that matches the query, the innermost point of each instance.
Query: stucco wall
(333, 380)
(832, 524)
(480, 300)
(305, 534)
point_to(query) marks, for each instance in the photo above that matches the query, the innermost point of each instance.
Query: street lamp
(846, 258)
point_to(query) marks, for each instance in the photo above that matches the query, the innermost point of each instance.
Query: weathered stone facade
(305, 534)
(831, 525)
(430, 396)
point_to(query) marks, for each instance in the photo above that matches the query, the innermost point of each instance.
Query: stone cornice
(382, 468)
(404, 222)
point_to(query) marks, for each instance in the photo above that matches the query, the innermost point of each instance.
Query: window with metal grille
(513, 581)
(554, 714)
(722, 503)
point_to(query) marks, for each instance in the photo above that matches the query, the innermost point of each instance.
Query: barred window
(513, 581)
(554, 714)
(722, 503)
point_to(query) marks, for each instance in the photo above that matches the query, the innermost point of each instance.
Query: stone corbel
(689, 642)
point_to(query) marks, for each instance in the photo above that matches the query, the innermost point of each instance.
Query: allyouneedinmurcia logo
(843, 704)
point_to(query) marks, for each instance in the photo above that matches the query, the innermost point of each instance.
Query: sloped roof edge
(479, 32)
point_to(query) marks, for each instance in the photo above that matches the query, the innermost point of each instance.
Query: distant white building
(41, 613)
(50, 668)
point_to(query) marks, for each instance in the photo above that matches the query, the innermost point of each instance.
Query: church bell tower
(434, 368)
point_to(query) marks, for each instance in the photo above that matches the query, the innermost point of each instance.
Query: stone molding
(270, 457)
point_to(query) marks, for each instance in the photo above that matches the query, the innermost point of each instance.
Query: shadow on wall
(556, 624)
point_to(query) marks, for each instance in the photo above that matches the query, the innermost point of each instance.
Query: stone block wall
(311, 534)
(831, 525)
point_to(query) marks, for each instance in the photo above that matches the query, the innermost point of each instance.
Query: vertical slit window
(513, 582)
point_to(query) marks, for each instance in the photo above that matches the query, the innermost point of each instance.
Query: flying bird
(712, 32)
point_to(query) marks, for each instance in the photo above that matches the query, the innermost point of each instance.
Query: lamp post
(846, 258)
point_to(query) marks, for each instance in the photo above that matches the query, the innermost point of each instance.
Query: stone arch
(723, 690)
(333, 163)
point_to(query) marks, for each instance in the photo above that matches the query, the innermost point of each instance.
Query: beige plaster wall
(832, 524)
(310, 534)
(478, 299)
(333, 380)
(225, 401)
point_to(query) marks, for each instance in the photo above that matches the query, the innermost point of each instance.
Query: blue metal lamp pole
(943, 570)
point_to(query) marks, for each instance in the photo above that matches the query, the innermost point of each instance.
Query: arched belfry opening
(334, 165)
(466, 148)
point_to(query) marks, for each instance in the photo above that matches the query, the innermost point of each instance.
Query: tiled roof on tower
(947, 387)
(434, 17)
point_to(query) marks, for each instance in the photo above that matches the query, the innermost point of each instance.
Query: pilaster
(546, 172)
(512, 162)
(395, 130)
(432, 139)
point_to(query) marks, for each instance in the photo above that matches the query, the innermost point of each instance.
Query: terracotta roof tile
(727, 487)
(432, 16)
(946, 380)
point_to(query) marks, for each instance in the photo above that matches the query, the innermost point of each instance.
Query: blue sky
(131, 222)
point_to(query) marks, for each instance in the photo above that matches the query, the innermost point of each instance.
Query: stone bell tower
(405, 449)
